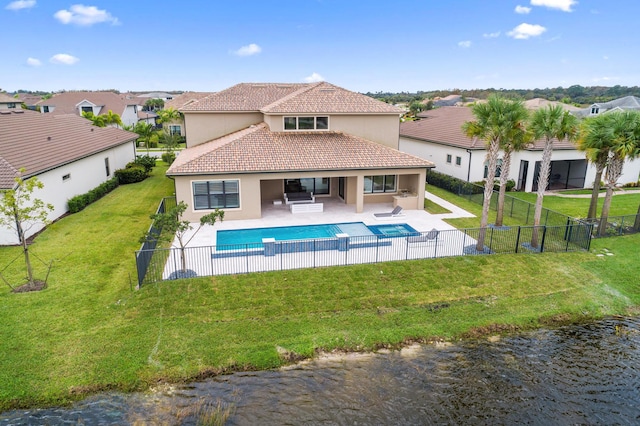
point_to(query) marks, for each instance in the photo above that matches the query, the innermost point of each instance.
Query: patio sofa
(299, 197)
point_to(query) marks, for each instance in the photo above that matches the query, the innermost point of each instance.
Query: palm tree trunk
(543, 181)
(604, 216)
(504, 176)
(593, 205)
(25, 248)
(492, 157)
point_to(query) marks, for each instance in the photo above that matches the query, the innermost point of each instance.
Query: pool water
(310, 232)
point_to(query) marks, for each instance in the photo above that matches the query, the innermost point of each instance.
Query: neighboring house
(156, 95)
(127, 107)
(176, 127)
(9, 102)
(29, 100)
(251, 143)
(537, 103)
(621, 104)
(438, 137)
(67, 153)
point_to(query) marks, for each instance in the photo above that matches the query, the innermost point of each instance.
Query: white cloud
(523, 10)
(84, 16)
(63, 59)
(314, 78)
(33, 62)
(21, 4)
(491, 35)
(564, 5)
(464, 44)
(524, 31)
(606, 58)
(248, 50)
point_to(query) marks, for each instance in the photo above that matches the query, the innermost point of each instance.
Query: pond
(583, 374)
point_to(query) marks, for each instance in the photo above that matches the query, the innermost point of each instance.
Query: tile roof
(444, 126)
(292, 98)
(256, 149)
(66, 102)
(185, 99)
(4, 98)
(39, 142)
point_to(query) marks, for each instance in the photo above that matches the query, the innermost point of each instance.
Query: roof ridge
(291, 95)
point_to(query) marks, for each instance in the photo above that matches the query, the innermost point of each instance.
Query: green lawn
(89, 331)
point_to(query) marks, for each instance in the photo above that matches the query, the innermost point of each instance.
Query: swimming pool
(309, 232)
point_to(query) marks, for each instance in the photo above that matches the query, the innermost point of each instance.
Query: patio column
(359, 194)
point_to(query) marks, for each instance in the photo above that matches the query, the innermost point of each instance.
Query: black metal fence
(616, 225)
(519, 210)
(172, 263)
(144, 256)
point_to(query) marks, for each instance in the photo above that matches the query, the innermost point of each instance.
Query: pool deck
(335, 211)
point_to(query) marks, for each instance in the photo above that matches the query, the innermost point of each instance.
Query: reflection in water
(586, 374)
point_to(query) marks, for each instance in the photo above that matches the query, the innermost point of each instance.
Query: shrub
(168, 157)
(153, 144)
(452, 184)
(146, 161)
(131, 174)
(79, 202)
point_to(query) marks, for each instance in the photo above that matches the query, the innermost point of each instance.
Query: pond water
(587, 374)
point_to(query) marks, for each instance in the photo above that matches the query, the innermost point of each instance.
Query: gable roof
(624, 103)
(292, 98)
(444, 126)
(4, 99)
(67, 102)
(40, 142)
(258, 150)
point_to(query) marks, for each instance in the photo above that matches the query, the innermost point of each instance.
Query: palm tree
(516, 140)
(494, 123)
(595, 139)
(168, 115)
(625, 145)
(550, 123)
(144, 130)
(112, 118)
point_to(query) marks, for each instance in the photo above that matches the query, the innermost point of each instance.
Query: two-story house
(250, 144)
(8, 102)
(127, 107)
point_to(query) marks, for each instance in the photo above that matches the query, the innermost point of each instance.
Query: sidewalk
(456, 212)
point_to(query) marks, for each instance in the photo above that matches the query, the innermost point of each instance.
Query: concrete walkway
(618, 191)
(456, 212)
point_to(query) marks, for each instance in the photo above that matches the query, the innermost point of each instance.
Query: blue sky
(377, 45)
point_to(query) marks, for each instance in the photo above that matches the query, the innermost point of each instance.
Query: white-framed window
(11, 105)
(498, 168)
(448, 158)
(87, 109)
(380, 183)
(45, 108)
(458, 161)
(306, 123)
(216, 194)
(175, 130)
(595, 110)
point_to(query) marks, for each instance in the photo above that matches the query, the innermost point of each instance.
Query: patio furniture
(396, 212)
(426, 238)
(299, 197)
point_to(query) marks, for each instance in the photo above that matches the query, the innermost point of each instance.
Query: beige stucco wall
(383, 129)
(258, 188)
(203, 127)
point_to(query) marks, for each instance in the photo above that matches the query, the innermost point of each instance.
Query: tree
(20, 212)
(550, 123)
(596, 135)
(144, 130)
(112, 118)
(494, 123)
(153, 104)
(625, 145)
(168, 115)
(516, 139)
(97, 120)
(173, 227)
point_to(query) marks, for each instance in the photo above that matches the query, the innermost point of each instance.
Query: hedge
(79, 202)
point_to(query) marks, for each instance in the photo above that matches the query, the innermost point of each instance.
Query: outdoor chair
(393, 213)
(426, 238)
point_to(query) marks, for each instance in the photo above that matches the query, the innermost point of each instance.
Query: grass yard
(89, 331)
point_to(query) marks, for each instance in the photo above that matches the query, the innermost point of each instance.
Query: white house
(127, 107)
(67, 153)
(438, 137)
